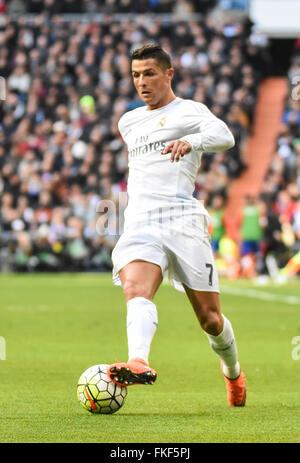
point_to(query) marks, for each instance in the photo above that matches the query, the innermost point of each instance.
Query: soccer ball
(97, 393)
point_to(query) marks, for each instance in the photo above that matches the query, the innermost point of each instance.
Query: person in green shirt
(218, 229)
(251, 229)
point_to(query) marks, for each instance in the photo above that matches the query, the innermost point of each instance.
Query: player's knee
(211, 320)
(133, 288)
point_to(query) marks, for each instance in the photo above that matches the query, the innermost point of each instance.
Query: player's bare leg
(206, 305)
(221, 337)
(140, 281)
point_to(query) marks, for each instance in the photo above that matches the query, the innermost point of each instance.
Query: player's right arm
(177, 148)
(212, 135)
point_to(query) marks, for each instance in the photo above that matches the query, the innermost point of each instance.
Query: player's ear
(170, 73)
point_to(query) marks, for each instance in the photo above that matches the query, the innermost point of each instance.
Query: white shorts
(185, 257)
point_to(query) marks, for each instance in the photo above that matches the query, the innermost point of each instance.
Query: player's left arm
(213, 136)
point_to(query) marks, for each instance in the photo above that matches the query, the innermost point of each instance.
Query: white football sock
(141, 327)
(225, 347)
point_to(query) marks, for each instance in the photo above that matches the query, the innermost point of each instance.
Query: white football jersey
(155, 185)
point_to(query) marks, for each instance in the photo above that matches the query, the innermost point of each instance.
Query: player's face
(152, 83)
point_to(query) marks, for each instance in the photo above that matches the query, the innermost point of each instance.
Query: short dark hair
(155, 52)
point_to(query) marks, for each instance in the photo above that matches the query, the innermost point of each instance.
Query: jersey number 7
(210, 267)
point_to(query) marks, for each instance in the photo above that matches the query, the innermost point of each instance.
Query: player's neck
(163, 102)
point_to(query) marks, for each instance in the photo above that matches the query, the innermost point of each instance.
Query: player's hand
(177, 148)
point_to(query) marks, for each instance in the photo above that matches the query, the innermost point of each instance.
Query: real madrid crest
(162, 122)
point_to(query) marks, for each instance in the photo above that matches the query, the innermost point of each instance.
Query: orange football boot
(135, 371)
(236, 390)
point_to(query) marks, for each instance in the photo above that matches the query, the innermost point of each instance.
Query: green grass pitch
(56, 326)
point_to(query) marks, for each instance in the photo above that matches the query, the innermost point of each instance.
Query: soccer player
(165, 227)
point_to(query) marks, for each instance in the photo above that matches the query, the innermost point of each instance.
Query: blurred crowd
(61, 155)
(281, 190)
(270, 222)
(52, 7)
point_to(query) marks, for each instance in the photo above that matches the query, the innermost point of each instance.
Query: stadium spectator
(251, 231)
(217, 223)
(251, 237)
(3, 6)
(271, 243)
